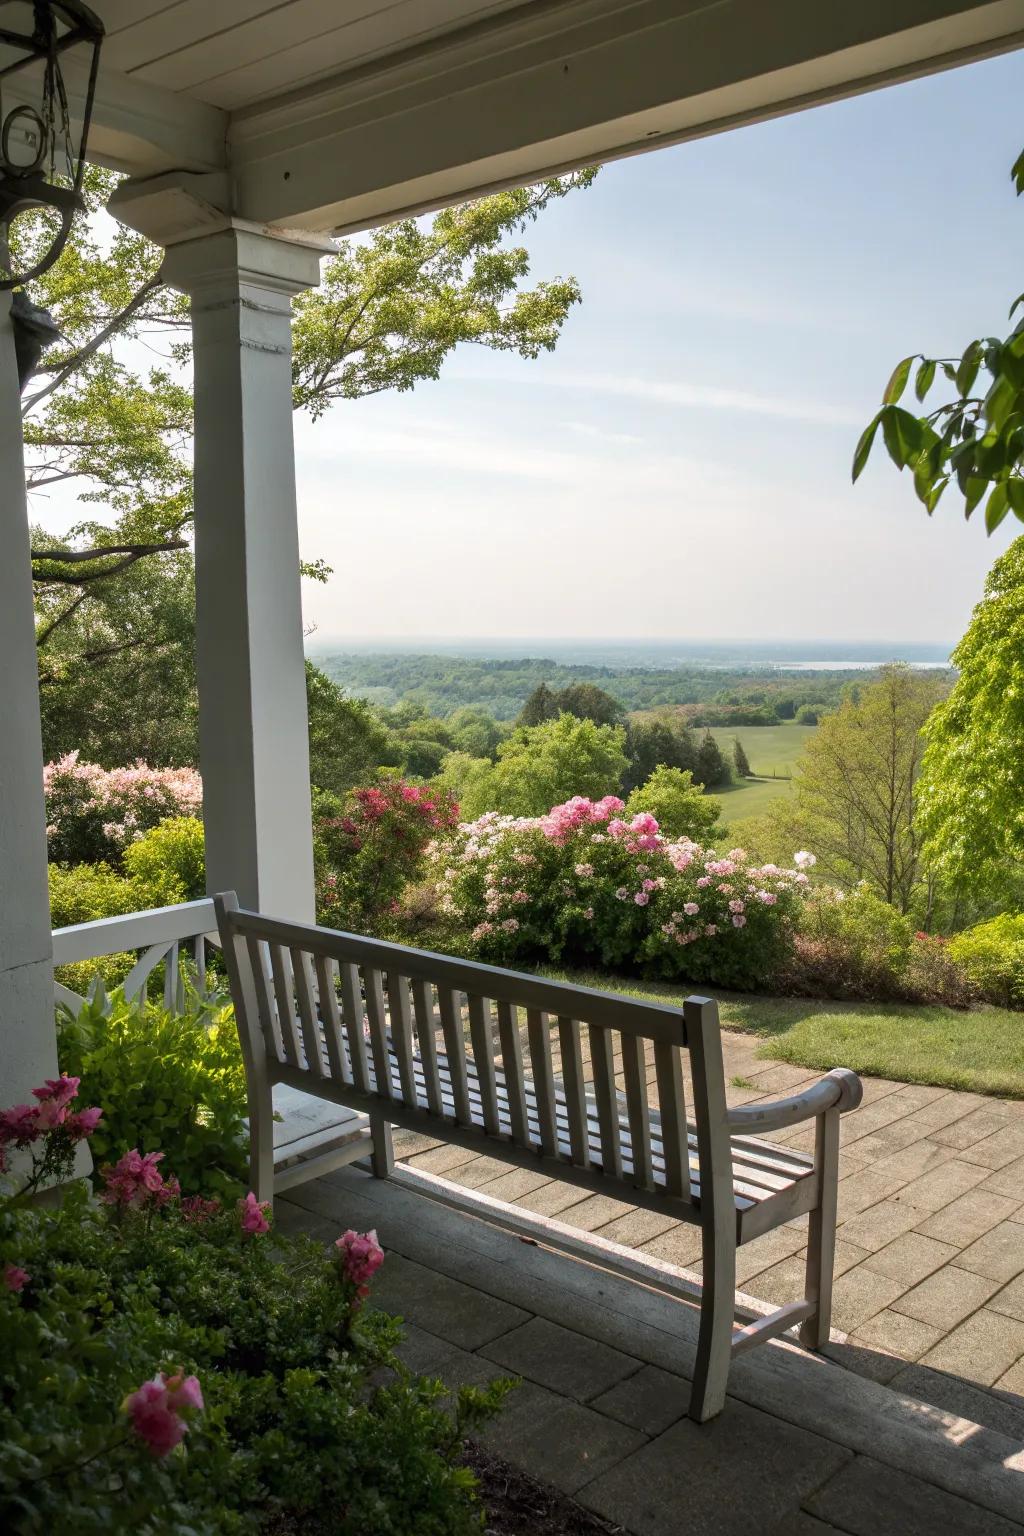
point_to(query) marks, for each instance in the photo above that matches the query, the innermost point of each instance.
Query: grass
(770, 749)
(980, 1050)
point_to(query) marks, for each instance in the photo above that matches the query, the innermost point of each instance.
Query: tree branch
(78, 358)
(75, 556)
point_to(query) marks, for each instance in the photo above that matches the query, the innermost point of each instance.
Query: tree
(740, 760)
(540, 706)
(977, 437)
(347, 743)
(711, 767)
(588, 702)
(855, 786)
(678, 805)
(658, 741)
(475, 731)
(542, 765)
(972, 778)
(469, 781)
(391, 308)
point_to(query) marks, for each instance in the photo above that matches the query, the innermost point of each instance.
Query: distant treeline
(444, 684)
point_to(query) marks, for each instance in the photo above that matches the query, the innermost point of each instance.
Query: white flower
(804, 860)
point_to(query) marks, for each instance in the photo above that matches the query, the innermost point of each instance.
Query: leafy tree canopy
(974, 439)
(972, 778)
(540, 766)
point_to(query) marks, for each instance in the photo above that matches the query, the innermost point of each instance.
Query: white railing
(154, 936)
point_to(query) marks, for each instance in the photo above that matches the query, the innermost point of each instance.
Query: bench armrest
(840, 1089)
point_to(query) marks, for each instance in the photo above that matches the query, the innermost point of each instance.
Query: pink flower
(136, 1180)
(650, 885)
(158, 1408)
(84, 1123)
(196, 1209)
(360, 1256)
(691, 908)
(15, 1279)
(254, 1215)
(641, 898)
(767, 898)
(622, 894)
(57, 1090)
(20, 1124)
(735, 906)
(739, 921)
(711, 929)
(705, 880)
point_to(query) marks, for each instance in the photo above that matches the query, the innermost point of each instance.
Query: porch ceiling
(336, 114)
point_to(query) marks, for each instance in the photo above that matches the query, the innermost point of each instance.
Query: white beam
(28, 1043)
(550, 86)
(253, 737)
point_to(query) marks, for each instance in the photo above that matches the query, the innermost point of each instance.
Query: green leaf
(925, 375)
(968, 369)
(974, 489)
(898, 381)
(1018, 301)
(863, 449)
(1017, 173)
(996, 507)
(1015, 495)
(903, 434)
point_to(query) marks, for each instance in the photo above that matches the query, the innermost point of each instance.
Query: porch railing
(159, 935)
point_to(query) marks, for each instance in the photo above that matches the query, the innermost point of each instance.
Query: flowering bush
(371, 845)
(175, 1367)
(93, 813)
(586, 884)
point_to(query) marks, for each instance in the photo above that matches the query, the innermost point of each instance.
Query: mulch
(519, 1505)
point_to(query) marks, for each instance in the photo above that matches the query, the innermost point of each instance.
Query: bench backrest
(358, 1019)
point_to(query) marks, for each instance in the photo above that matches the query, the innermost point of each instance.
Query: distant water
(791, 655)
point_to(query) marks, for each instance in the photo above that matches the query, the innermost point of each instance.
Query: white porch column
(253, 733)
(28, 1045)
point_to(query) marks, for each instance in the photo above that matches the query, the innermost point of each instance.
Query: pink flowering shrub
(588, 883)
(371, 845)
(49, 1131)
(94, 813)
(176, 1365)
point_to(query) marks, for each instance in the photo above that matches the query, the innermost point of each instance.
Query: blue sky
(680, 465)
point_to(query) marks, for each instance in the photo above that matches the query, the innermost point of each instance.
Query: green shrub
(992, 954)
(275, 1399)
(169, 861)
(934, 975)
(680, 807)
(171, 1083)
(849, 945)
(83, 892)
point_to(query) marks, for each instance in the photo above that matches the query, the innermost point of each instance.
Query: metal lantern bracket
(41, 182)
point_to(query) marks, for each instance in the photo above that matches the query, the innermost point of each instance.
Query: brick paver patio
(930, 1255)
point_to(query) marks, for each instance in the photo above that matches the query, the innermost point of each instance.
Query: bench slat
(423, 1007)
(480, 1030)
(285, 1001)
(327, 1000)
(575, 1093)
(264, 999)
(302, 974)
(451, 1024)
(675, 1143)
(373, 995)
(543, 1082)
(637, 1109)
(602, 1066)
(352, 1008)
(401, 1033)
(509, 1083)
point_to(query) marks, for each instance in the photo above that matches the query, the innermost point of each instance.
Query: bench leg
(821, 1236)
(717, 1312)
(382, 1159)
(261, 1141)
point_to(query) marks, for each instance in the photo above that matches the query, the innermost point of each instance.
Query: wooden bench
(356, 1021)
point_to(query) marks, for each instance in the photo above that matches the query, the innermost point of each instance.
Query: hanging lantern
(42, 155)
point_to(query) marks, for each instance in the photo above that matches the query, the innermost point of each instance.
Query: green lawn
(981, 1049)
(770, 749)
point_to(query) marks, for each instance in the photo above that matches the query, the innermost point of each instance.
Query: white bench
(355, 1021)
